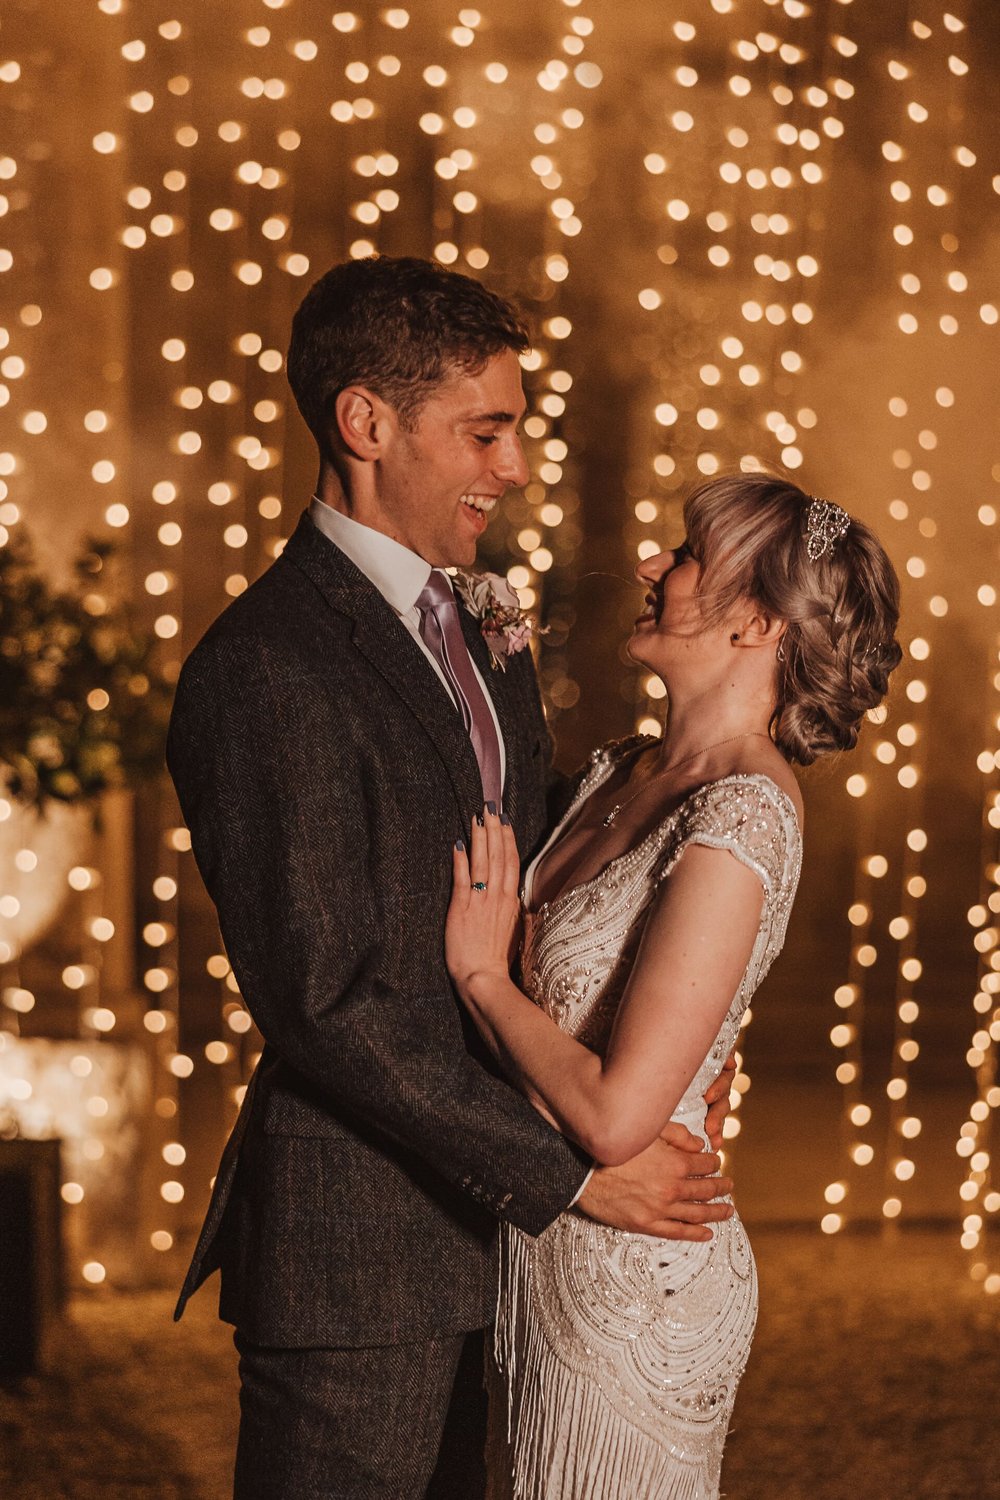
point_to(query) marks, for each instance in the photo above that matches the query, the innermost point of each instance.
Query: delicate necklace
(753, 734)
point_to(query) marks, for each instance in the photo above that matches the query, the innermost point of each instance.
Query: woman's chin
(635, 646)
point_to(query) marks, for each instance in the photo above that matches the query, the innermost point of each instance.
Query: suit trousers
(397, 1422)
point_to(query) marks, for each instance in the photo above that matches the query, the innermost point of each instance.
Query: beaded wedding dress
(617, 1355)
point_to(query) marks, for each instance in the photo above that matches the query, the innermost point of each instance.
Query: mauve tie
(441, 631)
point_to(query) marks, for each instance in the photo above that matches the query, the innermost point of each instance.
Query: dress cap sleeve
(748, 815)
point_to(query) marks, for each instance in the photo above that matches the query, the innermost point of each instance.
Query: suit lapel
(393, 652)
(388, 646)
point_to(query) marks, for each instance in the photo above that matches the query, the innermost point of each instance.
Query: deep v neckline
(584, 791)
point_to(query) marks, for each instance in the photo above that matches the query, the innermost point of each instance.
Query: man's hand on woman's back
(670, 1190)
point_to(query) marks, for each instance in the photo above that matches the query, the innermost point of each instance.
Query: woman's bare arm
(696, 945)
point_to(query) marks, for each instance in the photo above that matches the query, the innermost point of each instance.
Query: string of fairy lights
(558, 136)
(753, 179)
(686, 451)
(978, 1195)
(903, 1125)
(328, 133)
(192, 398)
(762, 172)
(929, 281)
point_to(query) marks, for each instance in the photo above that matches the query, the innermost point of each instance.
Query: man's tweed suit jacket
(324, 776)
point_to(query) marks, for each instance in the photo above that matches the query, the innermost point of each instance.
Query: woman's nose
(652, 569)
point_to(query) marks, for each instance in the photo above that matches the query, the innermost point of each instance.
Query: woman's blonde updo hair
(749, 535)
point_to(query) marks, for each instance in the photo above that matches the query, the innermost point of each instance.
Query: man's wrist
(582, 1188)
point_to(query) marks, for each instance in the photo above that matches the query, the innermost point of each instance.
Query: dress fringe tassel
(562, 1439)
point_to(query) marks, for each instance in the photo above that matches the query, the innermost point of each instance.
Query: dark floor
(875, 1374)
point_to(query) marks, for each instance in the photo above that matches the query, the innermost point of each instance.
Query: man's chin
(455, 555)
(461, 556)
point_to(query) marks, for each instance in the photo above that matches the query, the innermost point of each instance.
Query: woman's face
(671, 630)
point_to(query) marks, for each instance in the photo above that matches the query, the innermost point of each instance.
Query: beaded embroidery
(618, 1355)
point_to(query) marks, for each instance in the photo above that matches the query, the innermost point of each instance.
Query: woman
(650, 917)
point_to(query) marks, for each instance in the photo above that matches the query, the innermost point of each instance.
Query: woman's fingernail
(491, 807)
(460, 845)
(479, 820)
(505, 820)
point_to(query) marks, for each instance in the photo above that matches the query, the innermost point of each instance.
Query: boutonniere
(504, 625)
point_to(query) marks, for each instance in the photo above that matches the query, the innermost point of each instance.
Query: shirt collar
(397, 573)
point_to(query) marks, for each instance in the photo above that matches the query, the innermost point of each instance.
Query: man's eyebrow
(496, 416)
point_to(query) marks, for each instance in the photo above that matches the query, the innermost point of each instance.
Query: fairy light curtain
(749, 231)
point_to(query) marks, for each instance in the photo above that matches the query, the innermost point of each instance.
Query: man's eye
(485, 440)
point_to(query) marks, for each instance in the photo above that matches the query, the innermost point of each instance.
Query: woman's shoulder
(750, 814)
(762, 763)
(739, 791)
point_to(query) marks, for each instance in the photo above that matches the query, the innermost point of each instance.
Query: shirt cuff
(581, 1189)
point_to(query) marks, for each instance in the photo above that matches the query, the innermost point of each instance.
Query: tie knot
(436, 591)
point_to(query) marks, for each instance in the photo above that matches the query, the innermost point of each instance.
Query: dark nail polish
(491, 807)
(479, 820)
(460, 844)
(505, 821)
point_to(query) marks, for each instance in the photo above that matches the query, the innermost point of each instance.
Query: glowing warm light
(730, 300)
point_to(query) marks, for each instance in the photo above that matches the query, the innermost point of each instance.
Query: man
(334, 732)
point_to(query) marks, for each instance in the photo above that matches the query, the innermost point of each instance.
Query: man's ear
(362, 421)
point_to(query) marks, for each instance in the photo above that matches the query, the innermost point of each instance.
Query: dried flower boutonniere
(505, 626)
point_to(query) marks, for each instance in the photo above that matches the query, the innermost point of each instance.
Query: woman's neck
(706, 724)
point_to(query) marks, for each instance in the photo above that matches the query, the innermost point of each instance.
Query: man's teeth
(480, 502)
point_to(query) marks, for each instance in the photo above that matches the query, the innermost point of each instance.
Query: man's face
(436, 486)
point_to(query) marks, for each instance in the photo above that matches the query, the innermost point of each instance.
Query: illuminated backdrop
(746, 231)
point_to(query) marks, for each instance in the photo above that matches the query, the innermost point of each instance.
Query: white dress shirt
(400, 576)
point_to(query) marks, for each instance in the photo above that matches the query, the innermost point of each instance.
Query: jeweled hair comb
(826, 523)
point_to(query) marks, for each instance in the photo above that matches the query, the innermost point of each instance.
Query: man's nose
(512, 466)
